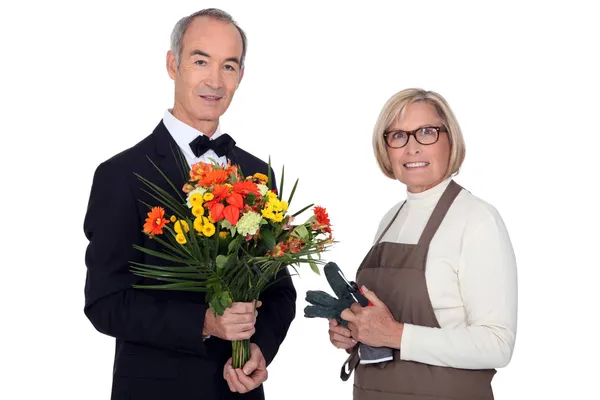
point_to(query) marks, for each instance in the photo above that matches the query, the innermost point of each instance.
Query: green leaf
(300, 231)
(161, 255)
(269, 180)
(177, 190)
(268, 238)
(250, 199)
(221, 262)
(234, 245)
(281, 184)
(301, 211)
(314, 267)
(293, 191)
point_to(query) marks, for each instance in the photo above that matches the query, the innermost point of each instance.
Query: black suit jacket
(160, 353)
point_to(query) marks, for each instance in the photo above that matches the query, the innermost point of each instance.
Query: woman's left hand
(373, 325)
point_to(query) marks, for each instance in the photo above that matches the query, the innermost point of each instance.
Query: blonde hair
(395, 108)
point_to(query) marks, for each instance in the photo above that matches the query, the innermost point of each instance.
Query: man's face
(209, 71)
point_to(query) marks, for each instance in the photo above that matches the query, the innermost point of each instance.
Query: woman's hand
(373, 325)
(339, 336)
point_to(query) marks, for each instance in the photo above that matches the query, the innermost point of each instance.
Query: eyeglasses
(426, 135)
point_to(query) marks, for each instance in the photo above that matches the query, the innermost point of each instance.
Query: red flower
(155, 221)
(296, 245)
(220, 192)
(236, 200)
(215, 177)
(322, 221)
(245, 187)
(216, 212)
(232, 214)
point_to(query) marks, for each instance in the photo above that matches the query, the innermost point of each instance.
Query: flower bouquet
(228, 236)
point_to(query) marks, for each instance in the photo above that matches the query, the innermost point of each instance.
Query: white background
(522, 80)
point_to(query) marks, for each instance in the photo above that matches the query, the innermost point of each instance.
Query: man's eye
(229, 68)
(200, 62)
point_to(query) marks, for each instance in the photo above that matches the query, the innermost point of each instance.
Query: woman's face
(419, 167)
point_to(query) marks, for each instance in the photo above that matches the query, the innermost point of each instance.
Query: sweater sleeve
(488, 285)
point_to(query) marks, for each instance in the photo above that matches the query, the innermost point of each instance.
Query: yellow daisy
(208, 230)
(198, 211)
(179, 224)
(180, 238)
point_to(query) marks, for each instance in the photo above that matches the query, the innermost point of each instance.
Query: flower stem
(240, 352)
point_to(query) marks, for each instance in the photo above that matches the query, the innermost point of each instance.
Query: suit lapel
(169, 159)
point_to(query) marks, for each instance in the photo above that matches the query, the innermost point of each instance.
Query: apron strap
(390, 224)
(352, 363)
(440, 211)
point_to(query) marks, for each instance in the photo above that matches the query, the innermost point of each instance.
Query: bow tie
(221, 145)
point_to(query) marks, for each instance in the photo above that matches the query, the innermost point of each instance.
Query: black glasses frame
(414, 134)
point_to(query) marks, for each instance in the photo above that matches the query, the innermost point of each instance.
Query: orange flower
(278, 251)
(155, 221)
(245, 187)
(188, 188)
(236, 200)
(232, 214)
(216, 212)
(215, 177)
(322, 221)
(296, 245)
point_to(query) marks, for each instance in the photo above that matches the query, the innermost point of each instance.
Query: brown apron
(396, 273)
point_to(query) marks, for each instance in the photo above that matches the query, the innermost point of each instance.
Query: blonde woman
(441, 274)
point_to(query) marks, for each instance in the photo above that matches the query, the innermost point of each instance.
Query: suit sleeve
(277, 312)
(112, 225)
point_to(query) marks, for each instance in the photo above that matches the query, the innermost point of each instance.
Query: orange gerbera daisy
(219, 192)
(215, 177)
(245, 187)
(155, 221)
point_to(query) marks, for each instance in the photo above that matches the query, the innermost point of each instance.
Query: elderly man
(169, 345)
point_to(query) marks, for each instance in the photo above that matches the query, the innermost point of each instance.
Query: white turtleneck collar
(430, 195)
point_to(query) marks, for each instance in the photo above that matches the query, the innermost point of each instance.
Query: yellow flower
(198, 224)
(179, 224)
(208, 220)
(223, 234)
(173, 218)
(208, 196)
(198, 211)
(208, 230)
(180, 238)
(284, 205)
(261, 177)
(196, 199)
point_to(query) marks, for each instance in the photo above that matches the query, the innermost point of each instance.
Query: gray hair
(182, 25)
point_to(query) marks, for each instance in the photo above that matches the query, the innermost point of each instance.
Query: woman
(441, 274)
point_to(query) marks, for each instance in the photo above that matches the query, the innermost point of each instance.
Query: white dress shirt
(471, 278)
(183, 134)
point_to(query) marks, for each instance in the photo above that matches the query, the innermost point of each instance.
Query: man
(169, 345)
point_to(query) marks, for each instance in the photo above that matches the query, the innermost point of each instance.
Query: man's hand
(339, 336)
(236, 323)
(251, 376)
(373, 325)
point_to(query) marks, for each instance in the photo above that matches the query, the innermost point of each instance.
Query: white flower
(249, 223)
(263, 189)
(200, 190)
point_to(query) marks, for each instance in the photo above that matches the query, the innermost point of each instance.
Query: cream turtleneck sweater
(471, 278)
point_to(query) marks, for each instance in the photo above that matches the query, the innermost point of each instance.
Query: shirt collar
(183, 134)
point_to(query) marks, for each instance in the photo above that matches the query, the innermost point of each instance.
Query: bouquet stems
(241, 352)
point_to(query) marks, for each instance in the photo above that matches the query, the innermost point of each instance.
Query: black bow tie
(221, 145)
